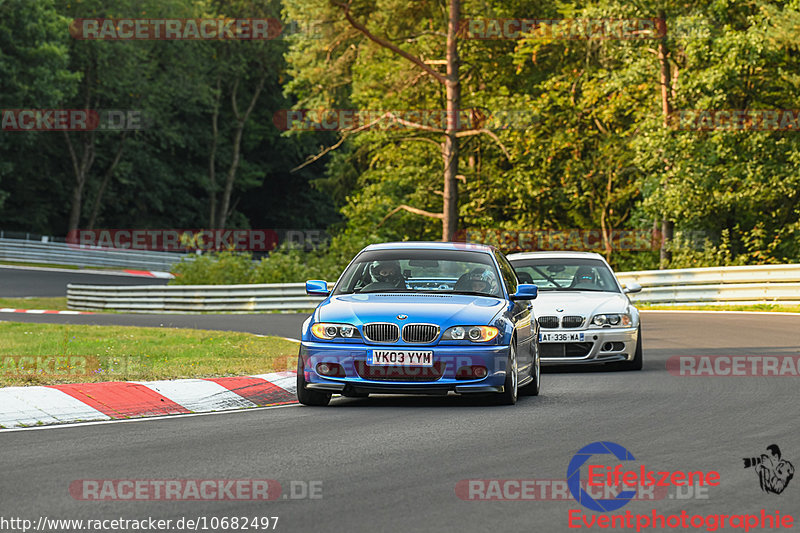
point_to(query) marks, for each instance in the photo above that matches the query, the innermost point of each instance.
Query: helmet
(585, 275)
(477, 280)
(386, 271)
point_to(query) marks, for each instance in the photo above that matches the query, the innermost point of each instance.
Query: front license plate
(561, 337)
(401, 358)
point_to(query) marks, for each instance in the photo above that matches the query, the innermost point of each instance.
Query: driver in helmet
(477, 280)
(585, 277)
(387, 272)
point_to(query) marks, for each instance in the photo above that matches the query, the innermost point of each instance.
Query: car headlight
(613, 320)
(471, 333)
(326, 331)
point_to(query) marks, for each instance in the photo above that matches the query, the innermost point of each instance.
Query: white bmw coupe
(584, 314)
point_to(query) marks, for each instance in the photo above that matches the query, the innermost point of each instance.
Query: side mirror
(631, 288)
(525, 291)
(317, 287)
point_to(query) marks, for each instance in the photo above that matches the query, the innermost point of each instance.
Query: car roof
(555, 255)
(430, 245)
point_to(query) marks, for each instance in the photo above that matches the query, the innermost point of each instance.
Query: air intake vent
(420, 333)
(549, 322)
(571, 321)
(381, 332)
(400, 373)
(565, 349)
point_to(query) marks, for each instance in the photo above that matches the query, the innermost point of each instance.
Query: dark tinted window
(507, 271)
(566, 274)
(401, 270)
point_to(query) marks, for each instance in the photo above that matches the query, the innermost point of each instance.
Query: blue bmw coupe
(421, 318)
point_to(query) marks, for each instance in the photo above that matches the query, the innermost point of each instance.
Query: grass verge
(753, 307)
(52, 304)
(47, 354)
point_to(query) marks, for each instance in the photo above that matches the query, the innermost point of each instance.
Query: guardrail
(61, 253)
(691, 286)
(191, 298)
(761, 284)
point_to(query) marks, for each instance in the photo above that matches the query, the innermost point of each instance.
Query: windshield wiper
(548, 278)
(375, 291)
(573, 289)
(471, 293)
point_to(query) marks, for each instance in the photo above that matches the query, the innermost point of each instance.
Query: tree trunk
(81, 170)
(212, 155)
(667, 229)
(98, 201)
(450, 151)
(604, 225)
(667, 226)
(241, 120)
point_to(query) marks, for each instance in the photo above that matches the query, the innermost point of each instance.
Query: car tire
(636, 362)
(533, 388)
(309, 397)
(510, 388)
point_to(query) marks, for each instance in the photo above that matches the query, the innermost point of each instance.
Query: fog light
(330, 370)
(472, 372)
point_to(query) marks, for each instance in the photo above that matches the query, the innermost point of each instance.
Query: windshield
(566, 274)
(439, 271)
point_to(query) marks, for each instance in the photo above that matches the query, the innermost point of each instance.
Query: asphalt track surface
(45, 282)
(392, 463)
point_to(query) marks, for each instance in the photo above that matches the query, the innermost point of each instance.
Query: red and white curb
(150, 274)
(43, 311)
(98, 272)
(84, 402)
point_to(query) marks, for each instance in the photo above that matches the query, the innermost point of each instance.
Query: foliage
(593, 150)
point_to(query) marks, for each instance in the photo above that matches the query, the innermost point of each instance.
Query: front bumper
(608, 345)
(448, 358)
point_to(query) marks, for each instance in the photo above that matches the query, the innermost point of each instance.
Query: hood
(444, 310)
(584, 303)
